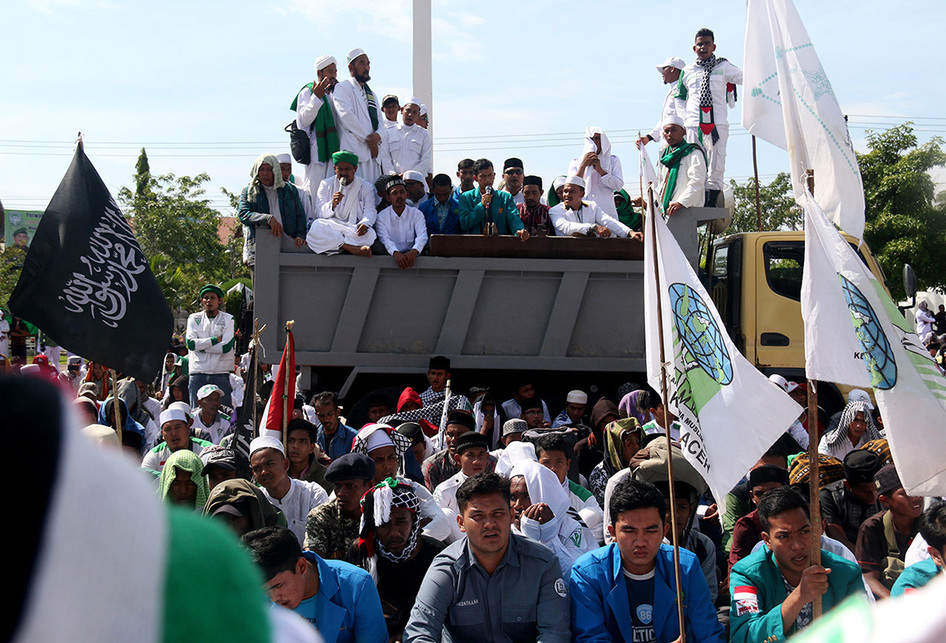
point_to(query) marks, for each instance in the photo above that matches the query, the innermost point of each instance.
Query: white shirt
(212, 432)
(407, 147)
(723, 73)
(567, 222)
(446, 492)
(672, 106)
(404, 232)
(601, 189)
(361, 211)
(518, 198)
(302, 498)
(924, 322)
(689, 190)
(512, 410)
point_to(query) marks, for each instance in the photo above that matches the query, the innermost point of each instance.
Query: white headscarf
(604, 155)
(543, 486)
(513, 454)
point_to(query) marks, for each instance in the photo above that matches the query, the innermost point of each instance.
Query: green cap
(344, 156)
(212, 288)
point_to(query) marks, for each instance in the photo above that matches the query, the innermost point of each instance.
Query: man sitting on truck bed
(401, 227)
(345, 211)
(577, 218)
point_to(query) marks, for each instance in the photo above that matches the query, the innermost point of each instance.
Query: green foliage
(779, 211)
(11, 264)
(905, 222)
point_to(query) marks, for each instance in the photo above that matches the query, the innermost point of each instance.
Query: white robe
(334, 228)
(567, 222)
(407, 147)
(690, 188)
(307, 108)
(402, 233)
(598, 188)
(354, 126)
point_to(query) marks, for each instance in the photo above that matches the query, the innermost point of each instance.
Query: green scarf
(671, 159)
(626, 212)
(326, 136)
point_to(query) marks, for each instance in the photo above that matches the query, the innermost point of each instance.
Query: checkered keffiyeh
(432, 412)
(376, 508)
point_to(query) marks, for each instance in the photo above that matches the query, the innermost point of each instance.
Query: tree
(177, 230)
(905, 223)
(779, 211)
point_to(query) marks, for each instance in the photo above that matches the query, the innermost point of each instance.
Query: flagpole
(285, 390)
(814, 465)
(443, 414)
(118, 415)
(666, 422)
(640, 161)
(255, 366)
(755, 173)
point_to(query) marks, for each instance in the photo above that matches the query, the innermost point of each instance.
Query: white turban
(324, 61)
(413, 100)
(354, 53)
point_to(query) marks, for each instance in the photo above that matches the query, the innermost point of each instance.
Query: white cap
(859, 395)
(284, 158)
(413, 100)
(791, 386)
(412, 175)
(207, 390)
(558, 182)
(378, 440)
(575, 180)
(423, 109)
(672, 61)
(173, 414)
(779, 381)
(576, 397)
(354, 53)
(266, 442)
(183, 407)
(324, 61)
(673, 119)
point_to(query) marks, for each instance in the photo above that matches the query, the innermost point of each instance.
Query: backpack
(299, 143)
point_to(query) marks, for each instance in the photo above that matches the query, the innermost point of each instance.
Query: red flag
(284, 388)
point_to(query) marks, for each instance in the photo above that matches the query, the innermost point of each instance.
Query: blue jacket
(348, 609)
(504, 212)
(451, 225)
(339, 444)
(758, 591)
(601, 609)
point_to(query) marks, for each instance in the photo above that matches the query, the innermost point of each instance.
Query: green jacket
(758, 575)
(504, 212)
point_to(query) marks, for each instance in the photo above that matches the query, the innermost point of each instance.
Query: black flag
(86, 282)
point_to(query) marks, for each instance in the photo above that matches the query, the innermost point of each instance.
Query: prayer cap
(533, 180)
(266, 442)
(218, 456)
(673, 119)
(512, 162)
(860, 466)
(412, 175)
(351, 466)
(207, 390)
(531, 403)
(767, 473)
(183, 407)
(779, 381)
(462, 418)
(830, 470)
(558, 182)
(672, 61)
(860, 395)
(887, 480)
(469, 440)
(438, 362)
(577, 397)
(212, 288)
(423, 110)
(344, 156)
(575, 180)
(101, 434)
(388, 98)
(411, 430)
(413, 100)
(354, 53)
(172, 414)
(284, 158)
(324, 61)
(378, 440)
(515, 425)
(881, 447)
(393, 182)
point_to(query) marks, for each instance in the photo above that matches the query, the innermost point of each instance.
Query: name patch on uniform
(746, 600)
(560, 588)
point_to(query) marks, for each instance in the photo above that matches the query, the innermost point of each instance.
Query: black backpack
(299, 143)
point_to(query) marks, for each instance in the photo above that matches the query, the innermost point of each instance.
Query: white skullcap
(558, 182)
(779, 381)
(673, 119)
(423, 109)
(858, 395)
(31, 369)
(672, 61)
(378, 440)
(266, 442)
(324, 61)
(354, 53)
(412, 175)
(413, 100)
(577, 397)
(284, 158)
(575, 180)
(173, 414)
(183, 407)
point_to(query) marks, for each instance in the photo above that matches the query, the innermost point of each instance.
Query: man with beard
(358, 116)
(393, 549)
(345, 211)
(532, 212)
(332, 528)
(315, 114)
(401, 228)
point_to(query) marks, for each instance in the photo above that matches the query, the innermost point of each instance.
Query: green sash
(671, 160)
(326, 136)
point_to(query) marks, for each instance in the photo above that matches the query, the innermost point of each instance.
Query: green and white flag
(855, 335)
(729, 413)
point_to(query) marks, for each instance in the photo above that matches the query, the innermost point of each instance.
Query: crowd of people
(489, 516)
(368, 186)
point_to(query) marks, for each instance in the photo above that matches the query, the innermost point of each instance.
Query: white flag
(855, 335)
(729, 413)
(648, 173)
(790, 103)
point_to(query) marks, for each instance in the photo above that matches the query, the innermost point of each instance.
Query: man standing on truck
(670, 70)
(682, 169)
(316, 115)
(357, 109)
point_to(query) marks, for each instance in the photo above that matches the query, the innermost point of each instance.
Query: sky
(206, 86)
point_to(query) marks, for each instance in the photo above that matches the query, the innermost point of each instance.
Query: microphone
(489, 190)
(343, 181)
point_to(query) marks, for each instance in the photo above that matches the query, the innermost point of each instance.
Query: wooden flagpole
(285, 389)
(758, 199)
(666, 401)
(117, 411)
(255, 366)
(814, 465)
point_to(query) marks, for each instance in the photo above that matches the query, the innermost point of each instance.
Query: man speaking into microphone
(345, 209)
(483, 204)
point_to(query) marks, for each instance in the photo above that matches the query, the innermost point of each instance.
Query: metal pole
(251, 395)
(665, 399)
(758, 200)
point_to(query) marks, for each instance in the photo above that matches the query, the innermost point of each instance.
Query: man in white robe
(345, 207)
(670, 72)
(686, 188)
(407, 145)
(600, 170)
(309, 102)
(579, 218)
(359, 116)
(390, 107)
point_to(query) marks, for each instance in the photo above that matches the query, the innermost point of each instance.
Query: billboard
(16, 223)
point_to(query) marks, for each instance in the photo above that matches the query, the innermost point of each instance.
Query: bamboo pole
(814, 465)
(666, 420)
(758, 199)
(117, 411)
(285, 389)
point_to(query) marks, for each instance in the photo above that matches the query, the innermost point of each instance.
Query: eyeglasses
(513, 170)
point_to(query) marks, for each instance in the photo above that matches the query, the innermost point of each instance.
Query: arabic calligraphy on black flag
(86, 282)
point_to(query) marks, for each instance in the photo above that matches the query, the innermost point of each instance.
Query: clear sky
(206, 86)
